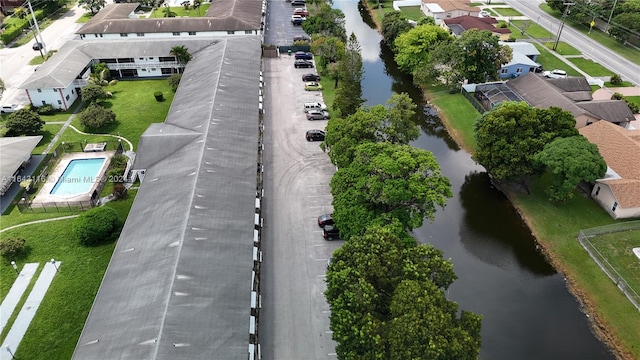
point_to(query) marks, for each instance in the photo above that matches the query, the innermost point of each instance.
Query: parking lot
(294, 321)
(279, 29)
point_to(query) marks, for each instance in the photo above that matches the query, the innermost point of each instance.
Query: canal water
(527, 310)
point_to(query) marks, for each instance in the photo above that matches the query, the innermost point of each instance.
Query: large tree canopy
(570, 161)
(367, 289)
(349, 92)
(24, 122)
(326, 21)
(510, 135)
(327, 49)
(397, 181)
(414, 46)
(394, 24)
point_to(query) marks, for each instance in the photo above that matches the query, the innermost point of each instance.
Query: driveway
(294, 320)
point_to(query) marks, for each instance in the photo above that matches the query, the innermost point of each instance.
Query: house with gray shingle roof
(619, 191)
(460, 24)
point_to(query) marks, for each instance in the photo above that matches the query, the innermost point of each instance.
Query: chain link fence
(601, 260)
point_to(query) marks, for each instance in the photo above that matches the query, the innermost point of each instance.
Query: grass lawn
(60, 318)
(534, 30)
(412, 12)
(377, 14)
(48, 132)
(61, 115)
(624, 84)
(563, 48)
(628, 52)
(461, 116)
(507, 12)
(135, 108)
(36, 60)
(181, 12)
(550, 61)
(634, 99)
(84, 18)
(617, 248)
(590, 67)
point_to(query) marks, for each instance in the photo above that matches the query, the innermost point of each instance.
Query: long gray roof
(222, 15)
(13, 152)
(65, 66)
(179, 283)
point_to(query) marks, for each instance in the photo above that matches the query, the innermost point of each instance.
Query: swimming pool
(78, 177)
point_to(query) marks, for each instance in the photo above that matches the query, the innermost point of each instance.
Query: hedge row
(16, 28)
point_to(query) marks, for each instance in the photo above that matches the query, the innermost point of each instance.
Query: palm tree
(181, 54)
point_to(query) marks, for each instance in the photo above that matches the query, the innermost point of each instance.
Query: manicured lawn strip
(507, 12)
(461, 116)
(516, 33)
(412, 12)
(61, 115)
(628, 52)
(590, 67)
(328, 92)
(634, 99)
(624, 84)
(84, 18)
(36, 60)
(61, 316)
(617, 248)
(15, 217)
(48, 132)
(534, 30)
(181, 12)
(550, 61)
(563, 48)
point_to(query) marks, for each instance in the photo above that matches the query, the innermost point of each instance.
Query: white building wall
(166, 35)
(58, 98)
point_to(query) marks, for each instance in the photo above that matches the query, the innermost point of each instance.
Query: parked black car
(330, 232)
(324, 219)
(298, 3)
(315, 135)
(304, 55)
(310, 77)
(304, 38)
(303, 64)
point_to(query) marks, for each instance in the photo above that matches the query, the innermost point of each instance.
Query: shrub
(174, 81)
(118, 162)
(158, 95)
(24, 122)
(92, 93)
(11, 247)
(46, 109)
(95, 116)
(95, 225)
(119, 191)
(616, 79)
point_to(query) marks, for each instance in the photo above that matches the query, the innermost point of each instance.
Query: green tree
(167, 12)
(20, 12)
(510, 135)
(95, 225)
(624, 25)
(327, 49)
(92, 5)
(24, 122)
(100, 74)
(181, 53)
(414, 46)
(425, 325)
(326, 21)
(394, 24)
(348, 97)
(632, 106)
(570, 161)
(95, 116)
(92, 93)
(174, 81)
(399, 127)
(395, 181)
(11, 247)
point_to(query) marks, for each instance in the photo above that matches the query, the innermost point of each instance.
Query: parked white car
(8, 109)
(484, 14)
(555, 74)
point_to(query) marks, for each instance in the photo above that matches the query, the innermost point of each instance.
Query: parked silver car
(316, 114)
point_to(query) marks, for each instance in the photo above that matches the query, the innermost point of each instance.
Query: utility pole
(44, 47)
(564, 16)
(611, 15)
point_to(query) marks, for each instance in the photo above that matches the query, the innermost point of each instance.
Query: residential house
(460, 24)
(447, 9)
(15, 153)
(619, 191)
(223, 18)
(59, 80)
(523, 60)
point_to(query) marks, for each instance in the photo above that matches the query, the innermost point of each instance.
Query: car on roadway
(297, 19)
(303, 55)
(330, 232)
(325, 219)
(310, 77)
(37, 46)
(317, 115)
(555, 74)
(312, 86)
(299, 63)
(301, 11)
(315, 135)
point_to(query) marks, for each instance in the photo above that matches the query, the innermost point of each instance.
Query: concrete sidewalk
(15, 293)
(28, 311)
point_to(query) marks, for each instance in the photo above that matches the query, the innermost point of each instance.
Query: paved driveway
(279, 29)
(294, 321)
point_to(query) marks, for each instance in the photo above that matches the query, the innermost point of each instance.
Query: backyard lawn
(412, 12)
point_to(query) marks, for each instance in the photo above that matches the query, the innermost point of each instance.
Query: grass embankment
(556, 228)
(55, 329)
(180, 11)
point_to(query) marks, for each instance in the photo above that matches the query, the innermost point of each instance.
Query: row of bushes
(17, 27)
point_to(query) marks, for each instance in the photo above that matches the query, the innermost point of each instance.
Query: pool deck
(44, 195)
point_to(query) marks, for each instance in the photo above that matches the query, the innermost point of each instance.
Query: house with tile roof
(223, 18)
(460, 24)
(619, 191)
(447, 9)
